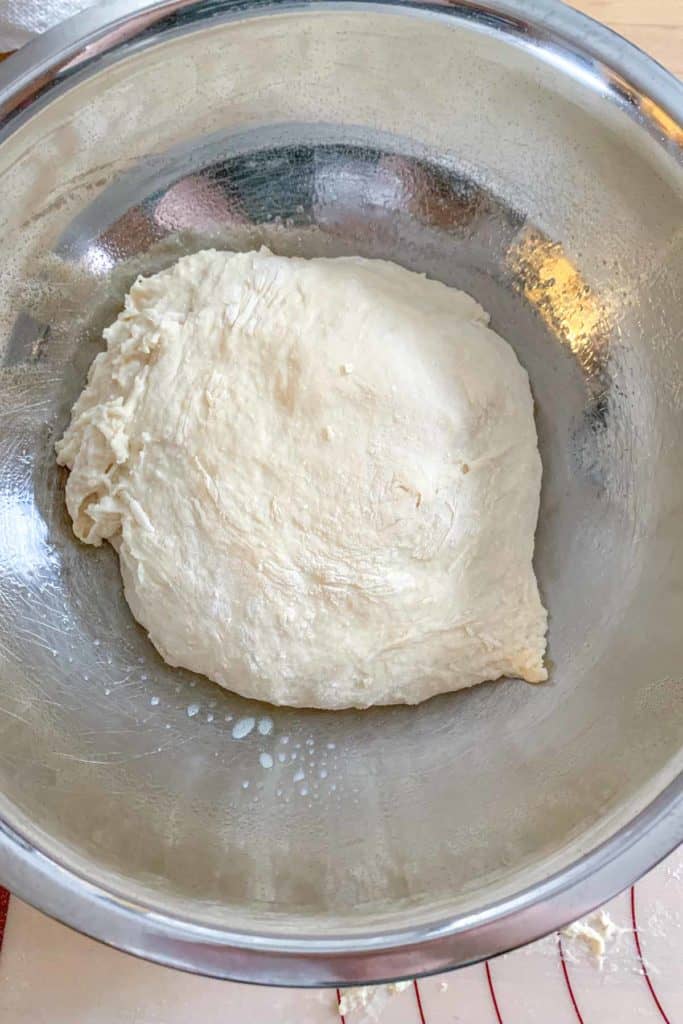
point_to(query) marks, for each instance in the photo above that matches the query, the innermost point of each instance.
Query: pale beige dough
(321, 476)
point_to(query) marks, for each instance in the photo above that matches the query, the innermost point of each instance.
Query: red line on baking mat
(639, 951)
(418, 1000)
(492, 990)
(343, 1019)
(568, 980)
(4, 906)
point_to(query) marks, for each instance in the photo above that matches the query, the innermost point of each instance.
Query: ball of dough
(321, 477)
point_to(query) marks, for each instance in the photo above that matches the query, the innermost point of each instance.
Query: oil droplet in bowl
(242, 727)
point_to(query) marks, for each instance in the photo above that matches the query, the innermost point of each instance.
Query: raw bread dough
(321, 477)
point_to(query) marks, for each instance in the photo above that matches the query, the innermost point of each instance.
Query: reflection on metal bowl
(533, 161)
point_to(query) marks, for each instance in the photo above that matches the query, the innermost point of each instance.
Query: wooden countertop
(656, 26)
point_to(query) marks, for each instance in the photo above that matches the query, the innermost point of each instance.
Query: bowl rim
(606, 62)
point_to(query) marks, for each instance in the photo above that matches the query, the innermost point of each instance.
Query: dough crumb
(595, 934)
(370, 1000)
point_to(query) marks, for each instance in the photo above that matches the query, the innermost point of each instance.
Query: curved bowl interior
(452, 147)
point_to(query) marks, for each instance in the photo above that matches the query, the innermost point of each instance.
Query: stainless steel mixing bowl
(518, 151)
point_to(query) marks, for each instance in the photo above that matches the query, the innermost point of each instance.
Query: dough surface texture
(321, 477)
